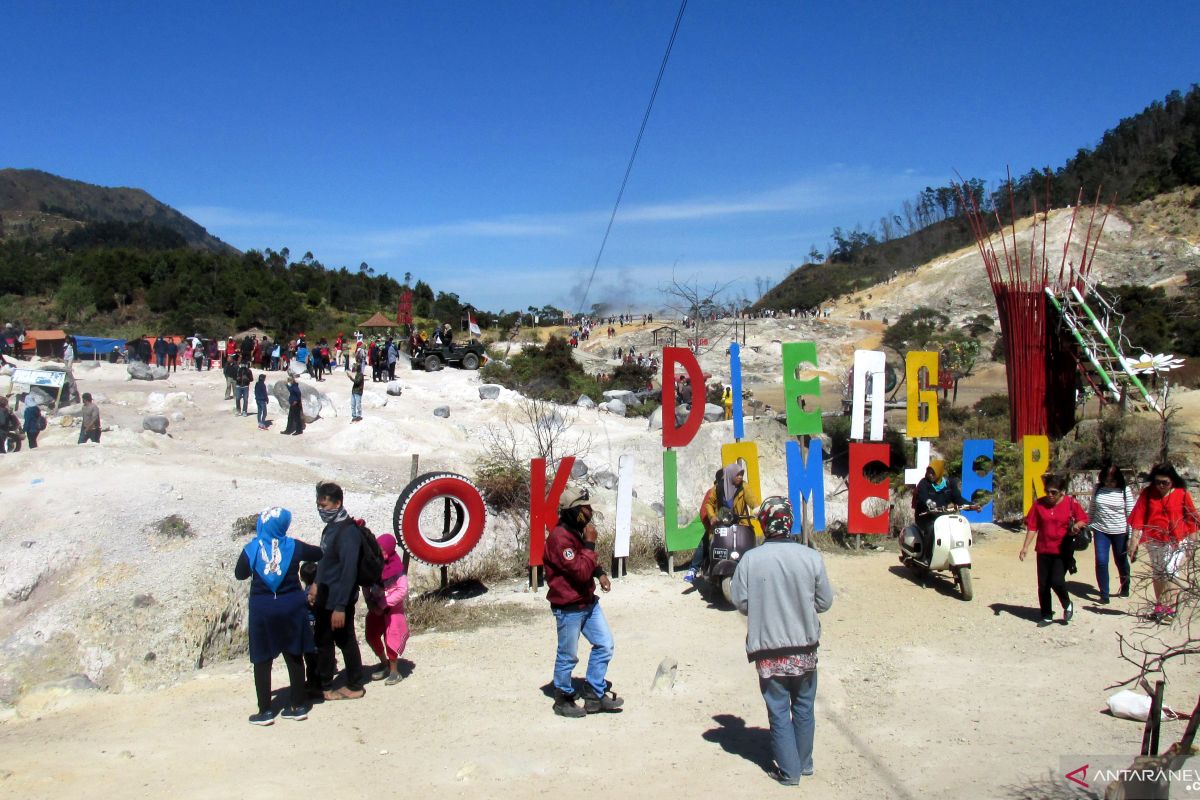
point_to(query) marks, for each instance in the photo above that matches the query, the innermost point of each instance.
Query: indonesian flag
(472, 326)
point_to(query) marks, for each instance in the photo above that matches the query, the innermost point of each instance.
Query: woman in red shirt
(1165, 517)
(1051, 519)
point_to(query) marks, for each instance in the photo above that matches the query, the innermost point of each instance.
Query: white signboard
(39, 377)
(625, 465)
(868, 362)
(913, 476)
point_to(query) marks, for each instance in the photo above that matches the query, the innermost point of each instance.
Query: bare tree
(699, 305)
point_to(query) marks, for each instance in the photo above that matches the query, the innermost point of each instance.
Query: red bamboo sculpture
(1040, 366)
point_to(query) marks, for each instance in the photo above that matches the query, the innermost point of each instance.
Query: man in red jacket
(571, 572)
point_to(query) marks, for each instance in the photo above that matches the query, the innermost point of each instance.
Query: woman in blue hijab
(278, 610)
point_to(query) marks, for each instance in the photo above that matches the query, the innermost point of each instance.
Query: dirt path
(921, 695)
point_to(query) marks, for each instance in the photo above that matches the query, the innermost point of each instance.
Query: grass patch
(432, 611)
(244, 526)
(173, 527)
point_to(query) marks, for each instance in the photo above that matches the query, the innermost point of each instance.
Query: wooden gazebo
(665, 331)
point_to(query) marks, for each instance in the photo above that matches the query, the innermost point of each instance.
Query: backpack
(370, 557)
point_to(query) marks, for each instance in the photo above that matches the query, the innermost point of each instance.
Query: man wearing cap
(782, 587)
(571, 573)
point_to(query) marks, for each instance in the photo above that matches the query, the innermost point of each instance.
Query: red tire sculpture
(463, 518)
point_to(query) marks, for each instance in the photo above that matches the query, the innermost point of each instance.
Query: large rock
(374, 400)
(624, 395)
(614, 407)
(44, 396)
(157, 424)
(489, 391)
(395, 388)
(712, 413)
(579, 469)
(312, 401)
(296, 368)
(442, 411)
(606, 479)
(655, 421)
(585, 402)
(75, 410)
(139, 371)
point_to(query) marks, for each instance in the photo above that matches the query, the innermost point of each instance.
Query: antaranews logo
(1143, 777)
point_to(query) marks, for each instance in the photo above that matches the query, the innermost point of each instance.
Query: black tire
(727, 590)
(465, 518)
(962, 577)
(470, 361)
(10, 444)
(432, 363)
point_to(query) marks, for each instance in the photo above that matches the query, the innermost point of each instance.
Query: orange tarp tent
(47, 344)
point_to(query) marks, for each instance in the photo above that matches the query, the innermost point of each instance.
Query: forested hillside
(1151, 152)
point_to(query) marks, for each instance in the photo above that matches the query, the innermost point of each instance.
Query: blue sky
(480, 145)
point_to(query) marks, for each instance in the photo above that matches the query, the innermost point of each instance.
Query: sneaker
(1124, 590)
(392, 679)
(1157, 614)
(1044, 621)
(1068, 612)
(1168, 614)
(690, 576)
(296, 713)
(605, 702)
(564, 705)
(263, 718)
(777, 774)
(1104, 601)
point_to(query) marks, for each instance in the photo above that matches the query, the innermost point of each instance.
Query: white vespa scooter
(951, 549)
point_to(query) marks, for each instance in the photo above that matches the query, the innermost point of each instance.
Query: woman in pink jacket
(387, 625)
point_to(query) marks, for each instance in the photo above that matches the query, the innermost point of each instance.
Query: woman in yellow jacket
(729, 490)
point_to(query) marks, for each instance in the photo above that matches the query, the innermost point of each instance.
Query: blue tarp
(96, 346)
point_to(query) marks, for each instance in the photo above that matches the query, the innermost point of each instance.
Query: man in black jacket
(243, 378)
(337, 592)
(230, 372)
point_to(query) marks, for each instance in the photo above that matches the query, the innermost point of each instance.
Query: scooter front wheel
(963, 577)
(727, 589)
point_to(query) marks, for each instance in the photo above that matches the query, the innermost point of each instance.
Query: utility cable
(633, 156)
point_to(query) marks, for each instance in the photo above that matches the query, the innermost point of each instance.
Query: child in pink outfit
(387, 626)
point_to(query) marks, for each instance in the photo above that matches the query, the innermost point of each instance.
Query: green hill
(38, 205)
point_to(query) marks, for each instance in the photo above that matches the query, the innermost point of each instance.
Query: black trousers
(295, 421)
(343, 639)
(1052, 574)
(262, 681)
(31, 437)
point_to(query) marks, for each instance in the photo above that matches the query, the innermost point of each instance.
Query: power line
(633, 156)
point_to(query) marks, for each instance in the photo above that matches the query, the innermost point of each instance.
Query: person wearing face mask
(1164, 518)
(571, 575)
(1053, 519)
(934, 491)
(337, 594)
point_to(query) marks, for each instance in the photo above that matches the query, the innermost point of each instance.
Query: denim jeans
(262, 411)
(241, 399)
(591, 623)
(790, 703)
(1119, 545)
(355, 406)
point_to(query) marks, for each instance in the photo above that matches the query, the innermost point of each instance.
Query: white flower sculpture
(1161, 362)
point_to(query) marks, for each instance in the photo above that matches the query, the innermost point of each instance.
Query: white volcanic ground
(90, 589)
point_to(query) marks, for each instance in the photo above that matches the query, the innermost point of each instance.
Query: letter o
(463, 519)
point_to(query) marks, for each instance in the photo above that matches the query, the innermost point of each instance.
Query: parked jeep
(433, 357)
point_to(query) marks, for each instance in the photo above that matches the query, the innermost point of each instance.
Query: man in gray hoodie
(781, 586)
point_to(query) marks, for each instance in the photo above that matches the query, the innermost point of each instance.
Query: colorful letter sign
(799, 421)
(920, 371)
(868, 363)
(973, 450)
(543, 506)
(673, 436)
(806, 479)
(675, 537)
(861, 454)
(1035, 450)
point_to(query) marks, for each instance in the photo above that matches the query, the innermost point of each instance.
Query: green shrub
(548, 372)
(994, 405)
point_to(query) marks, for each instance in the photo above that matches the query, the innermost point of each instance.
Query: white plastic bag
(1129, 705)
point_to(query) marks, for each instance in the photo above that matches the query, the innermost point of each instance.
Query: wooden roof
(378, 320)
